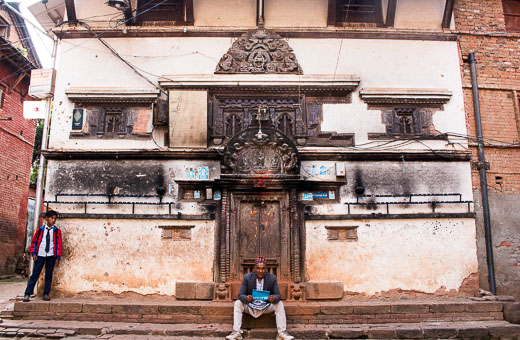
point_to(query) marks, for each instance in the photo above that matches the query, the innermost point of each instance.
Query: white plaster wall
(379, 63)
(423, 14)
(225, 13)
(418, 255)
(130, 256)
(295, 13)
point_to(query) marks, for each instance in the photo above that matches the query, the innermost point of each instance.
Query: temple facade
(190, 136)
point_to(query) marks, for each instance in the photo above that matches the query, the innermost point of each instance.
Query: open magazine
(260, 302)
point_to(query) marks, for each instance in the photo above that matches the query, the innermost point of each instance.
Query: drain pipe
(483, 178)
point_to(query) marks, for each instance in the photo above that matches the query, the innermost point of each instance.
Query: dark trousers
(38, 266)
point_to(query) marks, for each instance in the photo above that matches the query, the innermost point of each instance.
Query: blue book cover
(262, 295)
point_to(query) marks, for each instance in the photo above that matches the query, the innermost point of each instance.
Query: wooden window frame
(184, 17)
(335, 20)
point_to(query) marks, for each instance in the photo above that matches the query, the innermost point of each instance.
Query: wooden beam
(448, 11)
(331, 16)
(189, 13)
(18, 80)
(390, 13)
(71, 12)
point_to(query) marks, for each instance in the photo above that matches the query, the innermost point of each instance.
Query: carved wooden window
(164, 12)
(342, 233)
(233, 123)
(285, 123)
(298, 117)
(112, 121)
(512, 14)
(406, 122)
(346, 12)
(176, 232)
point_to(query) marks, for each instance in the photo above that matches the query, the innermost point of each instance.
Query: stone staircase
(435, 318)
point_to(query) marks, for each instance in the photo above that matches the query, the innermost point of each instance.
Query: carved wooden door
(260, 226)
(260, 234)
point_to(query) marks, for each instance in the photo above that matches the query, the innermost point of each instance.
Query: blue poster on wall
(203, 173)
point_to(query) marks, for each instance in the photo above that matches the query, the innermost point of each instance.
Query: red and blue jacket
(37, 240)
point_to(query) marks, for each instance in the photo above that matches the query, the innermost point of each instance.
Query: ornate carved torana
(259, 51)
(260, 151)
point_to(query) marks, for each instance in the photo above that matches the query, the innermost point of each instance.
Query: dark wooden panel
(269, 230)
(249, 240)
(448, 11)
(512, 14)
(390, 13)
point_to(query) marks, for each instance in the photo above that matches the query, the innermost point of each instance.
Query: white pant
(240, 307)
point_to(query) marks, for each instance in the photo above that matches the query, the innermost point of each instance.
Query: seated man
(261, 280)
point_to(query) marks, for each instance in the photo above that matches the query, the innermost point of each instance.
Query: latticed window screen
(114, 121)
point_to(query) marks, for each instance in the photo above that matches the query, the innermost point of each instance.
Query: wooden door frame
(227, 241)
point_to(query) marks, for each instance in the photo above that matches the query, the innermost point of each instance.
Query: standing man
(260, 280)
(45, 250)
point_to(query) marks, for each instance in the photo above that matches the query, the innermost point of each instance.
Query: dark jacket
(249, 283)
(37, 240)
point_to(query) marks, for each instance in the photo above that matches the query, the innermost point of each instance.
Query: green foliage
(36, 152)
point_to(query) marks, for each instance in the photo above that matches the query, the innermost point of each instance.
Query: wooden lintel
(18, 80)
(448, 11)
(71, 12)
(390, 13)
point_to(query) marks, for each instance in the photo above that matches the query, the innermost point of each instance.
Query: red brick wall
(481, 30)
(16, 142)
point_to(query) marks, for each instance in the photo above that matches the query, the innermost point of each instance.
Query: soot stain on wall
(110, 177)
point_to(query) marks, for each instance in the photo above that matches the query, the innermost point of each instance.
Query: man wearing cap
(260, 280)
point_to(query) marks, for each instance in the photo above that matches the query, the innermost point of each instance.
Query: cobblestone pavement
(9, 290)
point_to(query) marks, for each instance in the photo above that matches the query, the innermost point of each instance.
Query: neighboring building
(491, 29)
(16, 136)
(203, 133)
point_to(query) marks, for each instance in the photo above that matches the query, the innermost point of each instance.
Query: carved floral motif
(259, 51)
(257, 152)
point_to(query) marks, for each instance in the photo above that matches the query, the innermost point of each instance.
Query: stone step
(204, 312)
(114, 330)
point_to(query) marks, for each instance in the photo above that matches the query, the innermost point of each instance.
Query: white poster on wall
(34, 109)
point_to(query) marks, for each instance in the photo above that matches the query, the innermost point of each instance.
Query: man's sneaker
(26, 298)
(235, 335)
(284, 336)
(46, 297)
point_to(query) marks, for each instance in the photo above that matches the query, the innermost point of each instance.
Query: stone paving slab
(109, 330)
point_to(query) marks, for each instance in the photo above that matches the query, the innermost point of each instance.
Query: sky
(42, 43)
